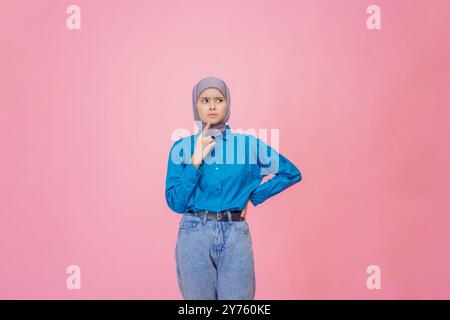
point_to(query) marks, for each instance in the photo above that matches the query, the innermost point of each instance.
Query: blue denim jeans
(214, 259)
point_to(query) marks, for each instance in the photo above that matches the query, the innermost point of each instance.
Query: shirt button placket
(218, 186)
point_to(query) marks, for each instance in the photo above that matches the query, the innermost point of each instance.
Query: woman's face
(211, 106)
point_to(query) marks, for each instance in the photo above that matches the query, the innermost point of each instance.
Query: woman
(211, 176)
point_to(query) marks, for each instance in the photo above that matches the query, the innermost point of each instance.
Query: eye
(204, 99)
(220, 100)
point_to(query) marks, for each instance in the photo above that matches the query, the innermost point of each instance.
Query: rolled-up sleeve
(182, 179)
(272, 162)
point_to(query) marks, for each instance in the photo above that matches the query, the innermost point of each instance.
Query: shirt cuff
(255, 200)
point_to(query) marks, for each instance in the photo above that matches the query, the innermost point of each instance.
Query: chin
(213, 121)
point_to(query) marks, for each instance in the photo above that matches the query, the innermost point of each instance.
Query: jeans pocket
(190, 223)
(241, 226)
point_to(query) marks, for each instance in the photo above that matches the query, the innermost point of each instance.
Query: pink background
(86, 118)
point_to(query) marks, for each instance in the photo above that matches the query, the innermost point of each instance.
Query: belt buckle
(220, 216)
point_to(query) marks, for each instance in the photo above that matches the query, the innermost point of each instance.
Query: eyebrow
(212, 97)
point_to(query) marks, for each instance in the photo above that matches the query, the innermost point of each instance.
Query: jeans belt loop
(205, 216)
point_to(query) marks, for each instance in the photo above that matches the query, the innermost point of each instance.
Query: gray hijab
(211, 82)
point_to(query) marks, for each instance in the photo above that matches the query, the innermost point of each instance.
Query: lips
(212, 115)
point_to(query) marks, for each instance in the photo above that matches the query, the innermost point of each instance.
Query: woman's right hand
(203, 147)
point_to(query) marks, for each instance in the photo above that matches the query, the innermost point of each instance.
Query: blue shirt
(229, 176)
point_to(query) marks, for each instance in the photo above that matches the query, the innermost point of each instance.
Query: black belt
(218, 216)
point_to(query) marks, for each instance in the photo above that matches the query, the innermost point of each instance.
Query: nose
(212, 106)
